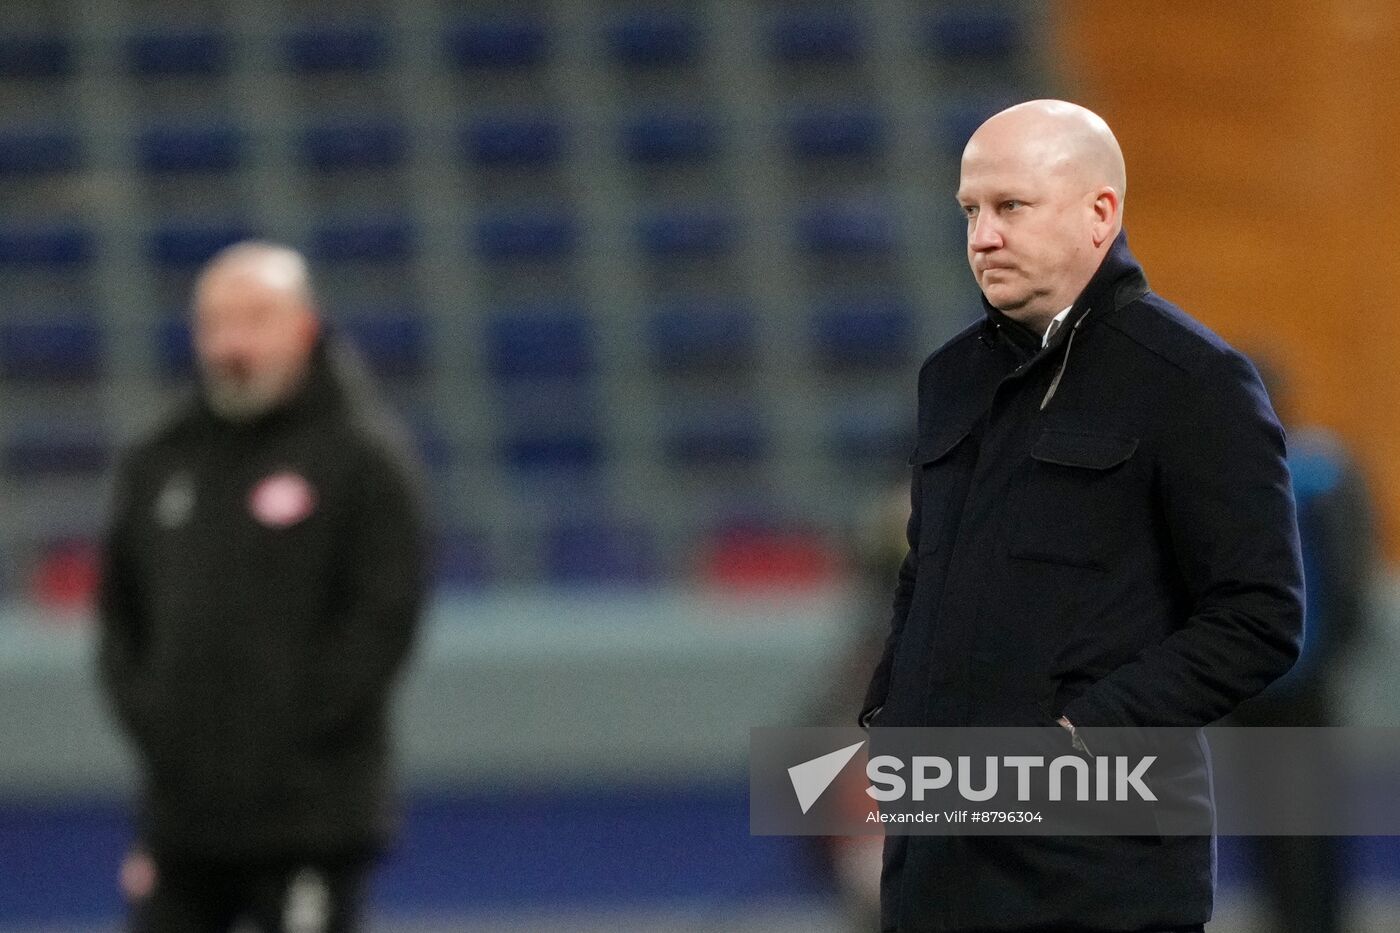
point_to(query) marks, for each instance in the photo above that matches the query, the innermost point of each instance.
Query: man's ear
(1107, 209)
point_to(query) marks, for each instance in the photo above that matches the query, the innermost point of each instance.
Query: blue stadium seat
(668, 136)
(971, 33)
(188, 51)
(837, 133)
(540, 343)
(514, 140)
(686, 231)
(538, 451)
(871, 431)
(45, 245)
(186, 243)
(42, 450)
(395, 345)
(652, 38)
(174, 354)
(197, 147)
(816, 36)
(715, 436)
(336, 46)
(600, 553)
(498, 42)
(462, 560)
(701, 335)
(433, 446)
(35, 56)
(62, 350)
(959, 120)
(860, 333)
(368, 142)
(526, 233)
(39, 150)
(376, 238)
(846, 228)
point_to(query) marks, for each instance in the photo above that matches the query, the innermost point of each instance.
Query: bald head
(1042, 185)
(255, 324)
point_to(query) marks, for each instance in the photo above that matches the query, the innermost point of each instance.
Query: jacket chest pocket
(1075, 499)
(940, 461)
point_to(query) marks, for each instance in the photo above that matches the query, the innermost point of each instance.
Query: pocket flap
(1090, 451)
(938, 443)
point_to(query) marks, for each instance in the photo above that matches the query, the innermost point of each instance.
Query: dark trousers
(284, 896)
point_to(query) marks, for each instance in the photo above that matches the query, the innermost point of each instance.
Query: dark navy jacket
(1104, 529)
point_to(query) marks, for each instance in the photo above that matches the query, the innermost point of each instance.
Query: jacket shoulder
(953, 348)
(1173, 336)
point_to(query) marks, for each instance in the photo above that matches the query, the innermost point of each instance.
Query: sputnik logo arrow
(811, 778)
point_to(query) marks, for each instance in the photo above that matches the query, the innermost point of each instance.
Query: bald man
(262, 582)
(1102, 535)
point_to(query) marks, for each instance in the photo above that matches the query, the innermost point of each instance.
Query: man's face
(252, 340)
(1029, 229)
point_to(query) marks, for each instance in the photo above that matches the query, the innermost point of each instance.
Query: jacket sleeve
(121, 631)
(1228, 511)
(381, 589)
(879, 687)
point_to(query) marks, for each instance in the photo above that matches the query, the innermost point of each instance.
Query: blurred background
(650, 281)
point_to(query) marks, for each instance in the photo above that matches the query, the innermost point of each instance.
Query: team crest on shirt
(175, 501)
(282, 500)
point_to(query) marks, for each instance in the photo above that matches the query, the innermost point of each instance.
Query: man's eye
(970, 210)
(1010, 205)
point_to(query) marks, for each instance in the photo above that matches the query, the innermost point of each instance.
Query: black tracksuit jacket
(262, 584)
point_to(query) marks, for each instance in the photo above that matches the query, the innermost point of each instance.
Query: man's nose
(982, 233)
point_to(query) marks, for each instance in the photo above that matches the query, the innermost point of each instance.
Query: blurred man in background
(263, 579)
(1102, 535)
(1303, 877)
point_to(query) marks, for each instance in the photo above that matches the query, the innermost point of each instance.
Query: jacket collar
(1118, 281)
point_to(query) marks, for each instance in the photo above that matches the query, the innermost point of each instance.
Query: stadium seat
(701, 335)
(498, 42)
(524, 140)
(959, 120)
(368, 142)
(526, 233)
(35, 56)
(187, 51)
(652, 38)
(40, 450)
(686, 231)
(62, 350)
(213, 146)
(715, 436)
(974, 33)
(336, 46)
(540, 343)
(871, 431)
(44, 245)
(462, 560)
(174, 355)
(664, 137)
(863, 333)
(535, 451)
(846, 228)
(374, 238)
(816, 36)
(39, 150)
(749, 560)
(395, 345)
(600, 553)
(836, 133)
(185, 243)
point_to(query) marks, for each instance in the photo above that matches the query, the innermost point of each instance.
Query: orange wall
(1263, 148)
